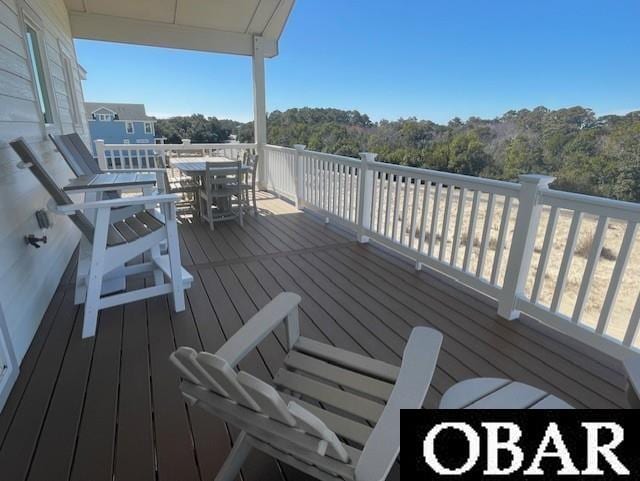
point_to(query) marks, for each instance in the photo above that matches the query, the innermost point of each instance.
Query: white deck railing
(147, 156)
(516, 242)
(559, 257)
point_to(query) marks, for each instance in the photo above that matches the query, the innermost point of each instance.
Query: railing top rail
(334, 158)
(590, 204)
(165, 147)
(461, 180)
(279, 148)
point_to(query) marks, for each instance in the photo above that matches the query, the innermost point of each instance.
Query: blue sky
(429, 59)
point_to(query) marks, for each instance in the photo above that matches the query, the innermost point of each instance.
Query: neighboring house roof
(124, 111)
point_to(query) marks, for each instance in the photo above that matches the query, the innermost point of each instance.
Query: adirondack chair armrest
(418, 365)
(632, 371)
(122, 202)
(284, 307)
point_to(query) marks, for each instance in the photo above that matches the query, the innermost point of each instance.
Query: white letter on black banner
(474, 448)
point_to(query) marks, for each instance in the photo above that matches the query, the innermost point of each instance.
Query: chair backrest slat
(59, 196)
(269, 400)
(185, 360)
(84, 153)
(75, 152)
(221, 371)
(313, 425)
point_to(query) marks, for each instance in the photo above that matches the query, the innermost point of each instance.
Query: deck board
(108, 408)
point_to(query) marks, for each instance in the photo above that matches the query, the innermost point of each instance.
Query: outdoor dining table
(196, 167)
(93, 187)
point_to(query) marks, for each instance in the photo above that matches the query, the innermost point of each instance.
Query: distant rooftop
(124, 111)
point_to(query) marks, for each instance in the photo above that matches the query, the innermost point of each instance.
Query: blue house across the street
(119, 124)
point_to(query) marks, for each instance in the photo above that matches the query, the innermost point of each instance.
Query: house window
(104, 117)
(148, 128)
(71, 91)
(33, 48)
(125, 141)
(129, 127)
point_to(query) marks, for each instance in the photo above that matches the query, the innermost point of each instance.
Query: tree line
(587, 154)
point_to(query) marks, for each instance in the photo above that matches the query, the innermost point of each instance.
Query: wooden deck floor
(109, 408)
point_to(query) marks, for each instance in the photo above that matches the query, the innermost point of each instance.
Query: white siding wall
(29, 276)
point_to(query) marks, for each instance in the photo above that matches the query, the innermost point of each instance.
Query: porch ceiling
(224, 26)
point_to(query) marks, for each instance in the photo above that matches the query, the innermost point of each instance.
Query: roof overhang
(223, 26)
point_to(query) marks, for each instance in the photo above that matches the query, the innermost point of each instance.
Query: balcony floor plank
(109, 408)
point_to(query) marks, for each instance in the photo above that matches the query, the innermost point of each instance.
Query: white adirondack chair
(288, 419)
(115, 243)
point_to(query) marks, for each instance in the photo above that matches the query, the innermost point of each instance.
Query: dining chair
(220, 195)
(248, 184)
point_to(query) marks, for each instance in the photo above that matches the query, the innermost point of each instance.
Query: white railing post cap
(299, 146)
(542, 180)
(368, 156)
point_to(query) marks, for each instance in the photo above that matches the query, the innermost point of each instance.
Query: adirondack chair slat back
(214, 373)
(67, 150)
(59, 196)
(84, 153)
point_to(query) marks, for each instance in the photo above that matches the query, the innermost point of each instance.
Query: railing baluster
(567, 257)
(388, 205)
(396, 201)
(433, 230)
(616, 277)
(379, 176)
(414, 211)
(423, 215)
(333, 181)
(589, 270)
(351, 175)
(445, 223)
(471, 231)
(462, 200)
(634, 321)
(405, 203)
(342, 195)
(486, 234)
(544, 254)
(502, 234)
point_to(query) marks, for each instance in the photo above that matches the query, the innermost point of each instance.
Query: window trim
(72, 93)
(41, 82)
(128, 123)
(150, 124)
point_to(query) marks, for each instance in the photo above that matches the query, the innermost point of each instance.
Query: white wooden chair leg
(174, 260)
(255, 204)
(235, 460)
(158, 276)
(95, 275)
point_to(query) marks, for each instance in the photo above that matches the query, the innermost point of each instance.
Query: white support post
(524, 237)
(365, 200)
(299, 174)
(259, 106)
(100, 153)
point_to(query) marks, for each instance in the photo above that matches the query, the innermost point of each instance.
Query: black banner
(519, 444)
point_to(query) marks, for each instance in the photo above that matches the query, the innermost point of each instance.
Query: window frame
(150, 124)
(36, 51)
(72, 93)
(128, 123)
